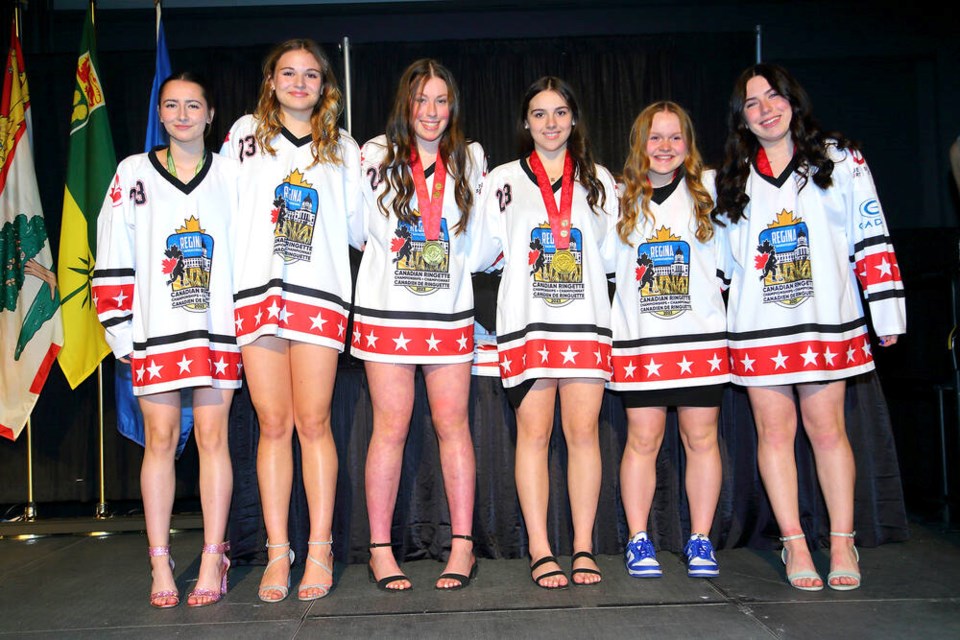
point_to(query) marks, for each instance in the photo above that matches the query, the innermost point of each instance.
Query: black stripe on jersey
(645, 342)
(780, 180)
(118, 320)
(188, 187)
(660, 194)
(413, 315)
(290, 288)
(294, 140)
(811, 327)
(113, 273)
(886, 295)
(533, 177)
(725, 281)
(871, 242)
(555, 328)
(199, 334)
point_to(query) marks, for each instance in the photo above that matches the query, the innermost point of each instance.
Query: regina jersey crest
(663, 274)
(294, 216)
(557, 273)
(187, 262)
(421, 265)
(783, 259)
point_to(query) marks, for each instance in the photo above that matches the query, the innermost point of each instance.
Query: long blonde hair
(637, 188)
(323, 120)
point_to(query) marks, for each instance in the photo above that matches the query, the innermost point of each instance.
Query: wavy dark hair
(323, 120)
(810, 143)
(637, 188)
(578, 144)
(401, 141)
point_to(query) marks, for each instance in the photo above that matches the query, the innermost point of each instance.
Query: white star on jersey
(371, 339)
(884, 268)
(432, 343)
(154, 369)
(810, 357)
(780, 360)
(273, 309)
(715, 362)
(120, 298)
(828, 356)
(462, 342)
(747, 362)
(629, 369)
(401, 342)
(284, 314)
(653, 369)
(221, 365)
(685, 365)
(184, 364)
(569, 355)
(544, 354)
(317, 322)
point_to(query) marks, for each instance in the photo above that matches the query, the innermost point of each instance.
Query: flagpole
(346, 84)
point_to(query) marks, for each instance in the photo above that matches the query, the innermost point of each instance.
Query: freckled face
(766, 112)
(666, 147)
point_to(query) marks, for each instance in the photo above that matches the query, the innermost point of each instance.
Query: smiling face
(550, 121)
(666, 147)
(183, 110)
(766, 112)
(297, 80)
(430, 111)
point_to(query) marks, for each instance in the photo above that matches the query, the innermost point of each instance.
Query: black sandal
(464, 580)
(383, 583)
(589, 556)
(549, 574)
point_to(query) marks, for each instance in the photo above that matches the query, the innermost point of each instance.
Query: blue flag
(129, 417)
(156, 135)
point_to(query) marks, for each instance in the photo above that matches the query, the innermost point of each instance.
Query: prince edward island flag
(31, 331)
(90, 168)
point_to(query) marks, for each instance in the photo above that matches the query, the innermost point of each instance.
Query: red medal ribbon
(431, 209)
(559, 218)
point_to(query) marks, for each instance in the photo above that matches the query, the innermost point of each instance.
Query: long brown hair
(401, 141)
(578, 144)
(323, 120)
(637, 187)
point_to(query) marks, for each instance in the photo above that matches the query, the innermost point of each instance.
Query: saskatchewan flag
(30, 328)
(90, 168)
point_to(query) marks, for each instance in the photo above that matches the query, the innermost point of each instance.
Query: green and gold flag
(90, 168)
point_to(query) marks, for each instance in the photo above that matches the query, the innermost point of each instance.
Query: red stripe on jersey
(113, 297)
(877, 268)
(412, 341)
(809, 355)
(182, 364)
(582, 355)
(671, 365)
(293, 315)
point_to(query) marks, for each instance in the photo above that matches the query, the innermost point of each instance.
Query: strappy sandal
(464, 580)
(158, 597)
(549, 574)
(588, 556)
(215, 596)
(845, 574)
(324, 589)
(283, 589)
(384, 583)
(799, 575)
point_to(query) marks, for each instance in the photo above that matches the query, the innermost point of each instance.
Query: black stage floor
(90, 587)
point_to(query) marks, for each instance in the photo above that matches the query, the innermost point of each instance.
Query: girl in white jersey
(669, 329)
(802, 225)
(299, 194)
(163, 286)
(414, 305)
(549, 211)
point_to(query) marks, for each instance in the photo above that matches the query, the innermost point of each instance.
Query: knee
(275, 426)
(313, 426)
(826, 438)
(643, 443)
(210, 438)
(776, 437)
(700, 442)
(162, 442)
(583, 437)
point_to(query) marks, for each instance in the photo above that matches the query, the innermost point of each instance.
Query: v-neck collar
(185, 187)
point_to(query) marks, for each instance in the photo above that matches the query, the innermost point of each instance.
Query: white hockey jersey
(551, 323)
(292, 278)
(407, 310)
(163, 280)
(794, 312)
(669, 320)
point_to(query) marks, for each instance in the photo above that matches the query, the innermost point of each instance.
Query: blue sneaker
(642, 557)
(701, 561)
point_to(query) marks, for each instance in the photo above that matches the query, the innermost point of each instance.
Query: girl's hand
(887, 341)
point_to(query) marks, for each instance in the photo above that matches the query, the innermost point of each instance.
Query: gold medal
(563, 261)
(432, 252)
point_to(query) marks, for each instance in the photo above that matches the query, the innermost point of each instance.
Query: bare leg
(775, 414)
(211, 413)
(580, 401)
(313, 370)
(161, 421)
(638, 468)
(448, 388)
(391, 393)
(698, 430)
(267, 368)
(534, 425)
(822, 409)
